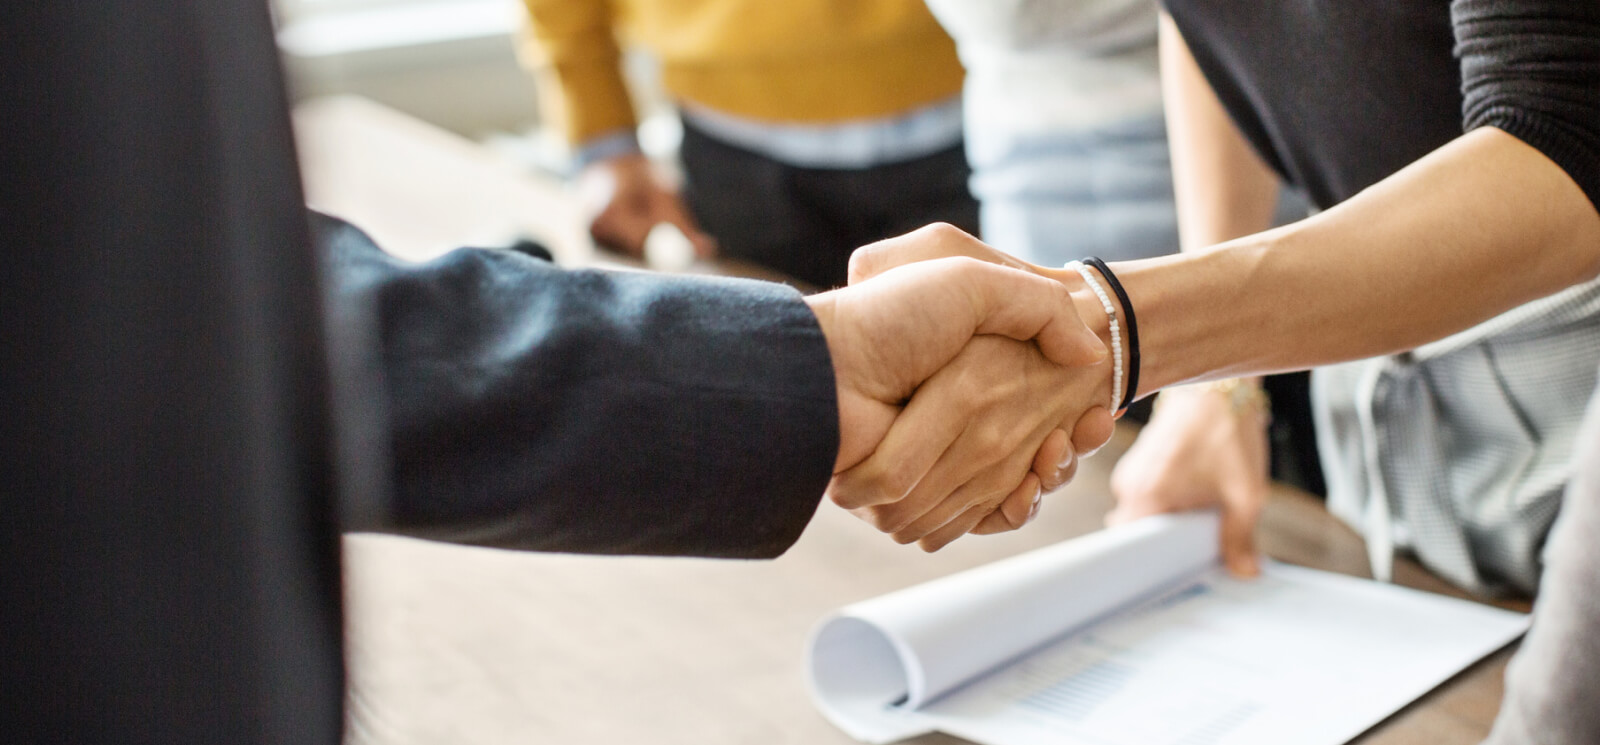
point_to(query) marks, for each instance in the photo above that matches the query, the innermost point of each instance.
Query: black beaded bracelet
(1132, 329)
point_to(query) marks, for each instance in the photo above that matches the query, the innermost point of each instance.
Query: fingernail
(1038, 499)
(1065, 467)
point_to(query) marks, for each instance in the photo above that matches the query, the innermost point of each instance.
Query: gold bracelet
(1243, 395)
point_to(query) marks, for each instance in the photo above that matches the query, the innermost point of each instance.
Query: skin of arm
(1475, 228)
(1198, 450)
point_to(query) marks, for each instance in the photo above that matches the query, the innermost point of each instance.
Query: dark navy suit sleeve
(533, 407)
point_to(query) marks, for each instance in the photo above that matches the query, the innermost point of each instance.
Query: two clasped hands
(969, 383)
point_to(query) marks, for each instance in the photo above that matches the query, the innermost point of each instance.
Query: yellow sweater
(774, 60)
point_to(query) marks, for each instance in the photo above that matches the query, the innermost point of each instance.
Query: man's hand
(907, 324)
(625, 197)
(889, 335)
(969, 449)
(1199, 450)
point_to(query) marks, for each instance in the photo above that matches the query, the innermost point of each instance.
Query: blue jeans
(1053, 197)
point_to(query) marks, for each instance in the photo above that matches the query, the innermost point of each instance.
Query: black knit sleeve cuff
(1577, 154)
(1532, 69)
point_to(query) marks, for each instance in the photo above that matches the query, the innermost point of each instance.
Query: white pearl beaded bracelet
(1116, 331)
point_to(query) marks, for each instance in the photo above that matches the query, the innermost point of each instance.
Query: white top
(1042, 66)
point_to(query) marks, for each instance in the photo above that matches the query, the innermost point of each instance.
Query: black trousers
(804, 222)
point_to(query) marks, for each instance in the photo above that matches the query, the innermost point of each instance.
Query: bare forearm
(1482, 225)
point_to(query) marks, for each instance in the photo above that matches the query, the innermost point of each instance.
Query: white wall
(450, 62)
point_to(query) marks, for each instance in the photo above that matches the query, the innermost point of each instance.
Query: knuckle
(991, 439)
(846, 497)
(857, 496)
(896, 482)
(863, 262)
(942, 231)
(889, 520)
(905, 537)
(867, 485)
(870, 515)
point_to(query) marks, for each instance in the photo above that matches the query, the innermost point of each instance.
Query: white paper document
(1136, 636)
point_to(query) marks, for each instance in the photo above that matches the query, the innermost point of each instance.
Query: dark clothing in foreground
(179, 451)
(586, 411)
(1338, 95)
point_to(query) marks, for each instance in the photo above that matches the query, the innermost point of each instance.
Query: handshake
(968, 385)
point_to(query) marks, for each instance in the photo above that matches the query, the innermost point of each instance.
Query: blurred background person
(1064, 127)
(810, 127)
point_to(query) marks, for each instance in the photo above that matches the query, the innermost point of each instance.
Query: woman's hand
(966, 450)
(1201, 449)
(986, 418)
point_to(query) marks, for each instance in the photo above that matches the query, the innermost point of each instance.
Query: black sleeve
(1532, 68)
(585, 411)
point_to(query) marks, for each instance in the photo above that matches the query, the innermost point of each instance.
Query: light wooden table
(467, 646)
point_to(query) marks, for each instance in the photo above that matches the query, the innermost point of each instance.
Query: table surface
(464, 645)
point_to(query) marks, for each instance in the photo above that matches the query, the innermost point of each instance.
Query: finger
(1019, 508)
(988, 486)
(1119, 516)
(942, 481)
(1239, 520)
(936, 241)
(921, 435)
(622, 228)
(1136, 496)
(1024, 306)
(960, 526)
(976, 512)
(1129, 509)
(1092, 431)
(1054, 455)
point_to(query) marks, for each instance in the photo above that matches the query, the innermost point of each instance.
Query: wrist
(1244, 397)
(823, 307)
(1093, 314)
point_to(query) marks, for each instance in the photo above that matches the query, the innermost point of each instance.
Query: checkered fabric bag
(1459, 451)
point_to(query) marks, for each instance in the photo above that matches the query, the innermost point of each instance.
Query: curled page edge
(858, 675)
(872, 663)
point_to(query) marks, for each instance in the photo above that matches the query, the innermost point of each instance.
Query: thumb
(1024, 306)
